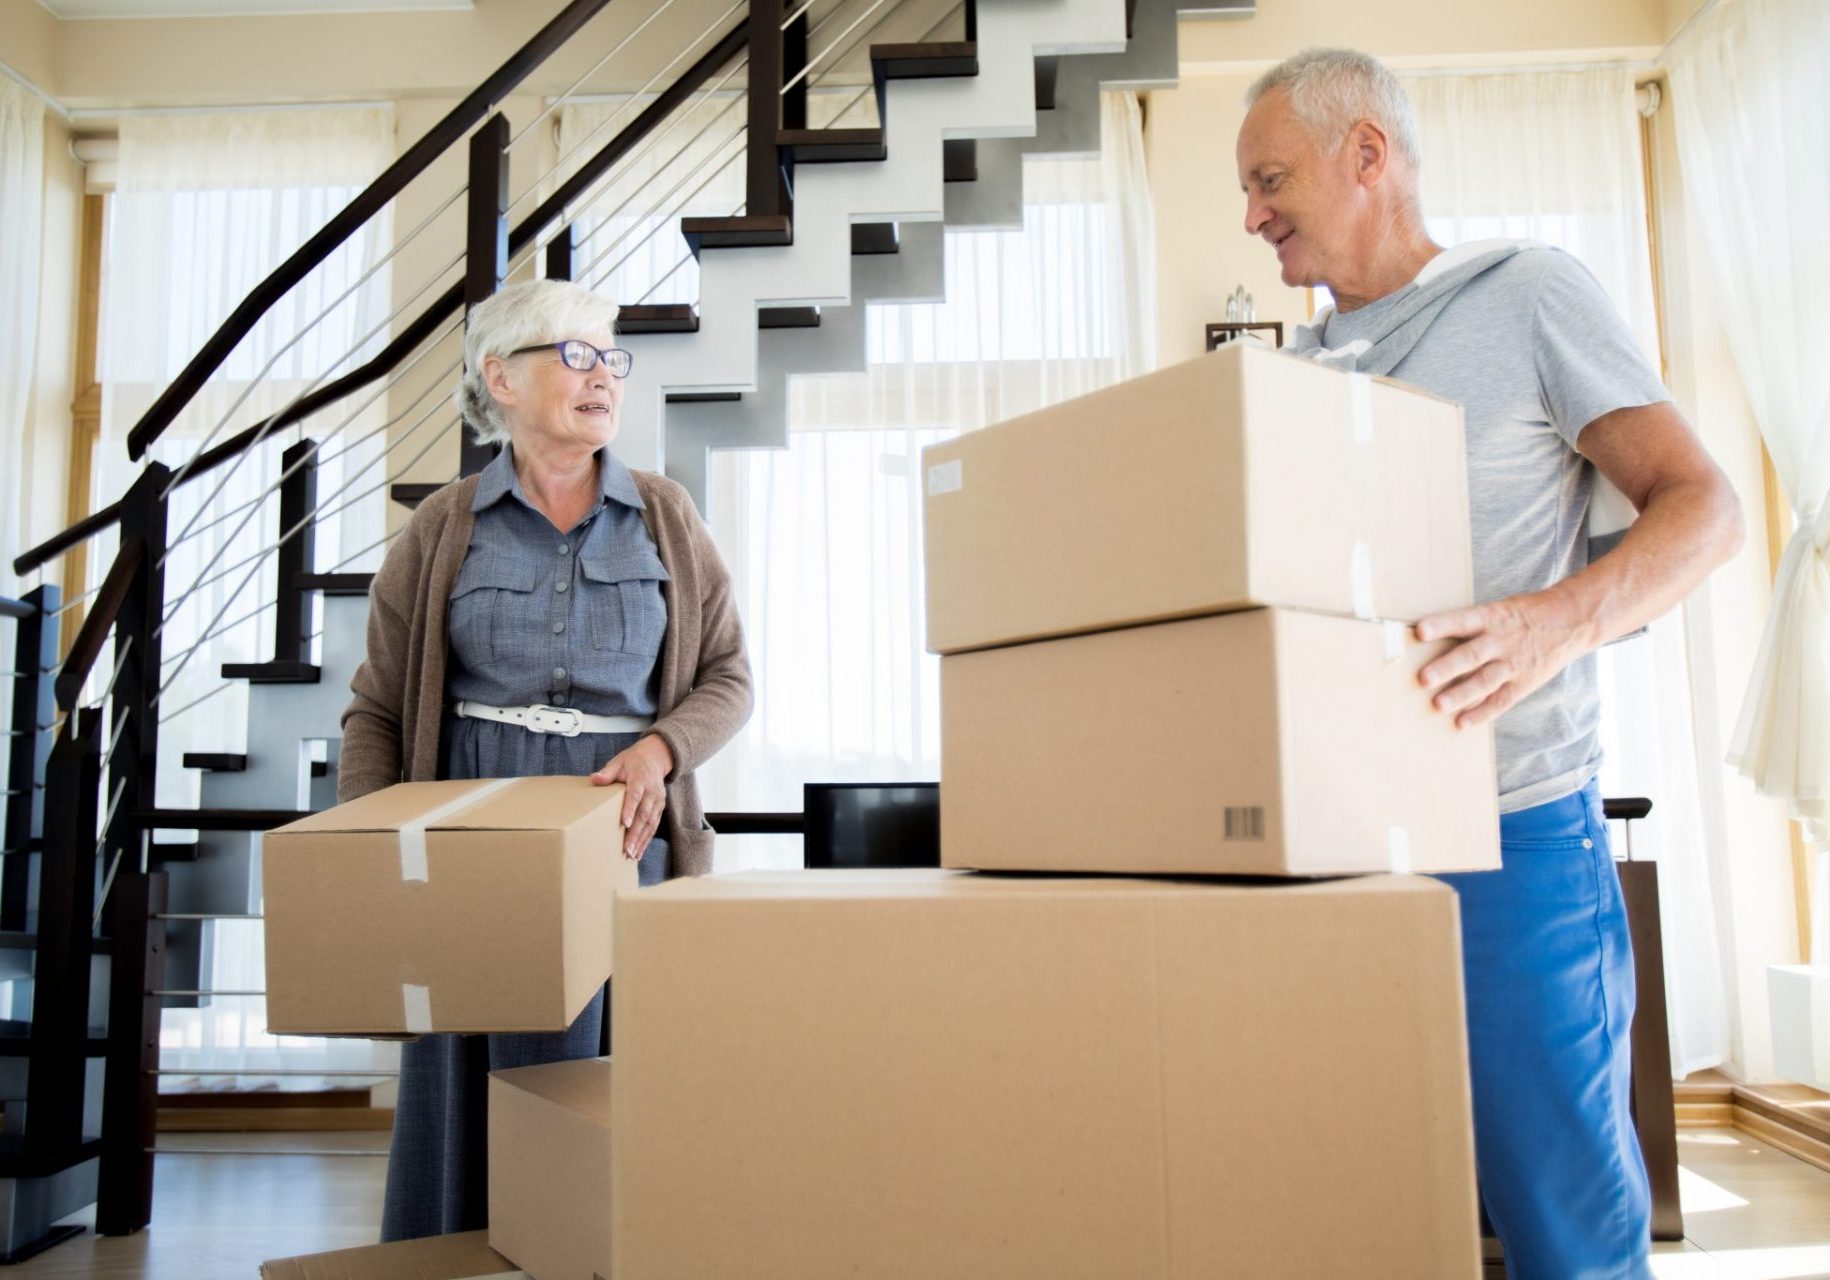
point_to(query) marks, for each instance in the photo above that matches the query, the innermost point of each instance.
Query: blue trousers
(1548, 967)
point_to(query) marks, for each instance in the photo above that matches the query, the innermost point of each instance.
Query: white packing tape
(1360, 570)
(1394, 641)
(413, 834)
(416, 1006)
(1359, 396)
(1398, 850)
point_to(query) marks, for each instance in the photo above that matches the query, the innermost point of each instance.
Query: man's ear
(1371, 150)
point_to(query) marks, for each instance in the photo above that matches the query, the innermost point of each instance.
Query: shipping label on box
(444, 906)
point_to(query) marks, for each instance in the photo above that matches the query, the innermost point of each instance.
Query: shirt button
(565, 548)
(559, 673)
(561, 585)
(558, 627)
(559, 699)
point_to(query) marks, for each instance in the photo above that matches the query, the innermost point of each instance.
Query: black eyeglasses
(576, 353)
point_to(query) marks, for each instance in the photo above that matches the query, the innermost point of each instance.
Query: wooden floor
(1750, 1212)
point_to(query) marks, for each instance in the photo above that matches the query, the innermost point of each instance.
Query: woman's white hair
(1333, 89)
(522, 315)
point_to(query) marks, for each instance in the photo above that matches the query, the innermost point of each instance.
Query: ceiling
(235, 8)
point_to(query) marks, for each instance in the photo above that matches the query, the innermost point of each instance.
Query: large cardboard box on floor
(1242, 478)
(921, 1074)
(465, 1256)
(1268, 742)
(549, 1168)
(444, 906)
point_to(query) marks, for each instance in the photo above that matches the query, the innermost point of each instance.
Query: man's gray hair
(1333, 89)
(522, 315)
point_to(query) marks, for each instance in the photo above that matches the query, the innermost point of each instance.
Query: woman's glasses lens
(582, 356)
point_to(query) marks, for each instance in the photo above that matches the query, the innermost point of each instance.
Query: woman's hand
(642, 770)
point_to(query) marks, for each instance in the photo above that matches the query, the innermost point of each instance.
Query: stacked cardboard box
(915, 1074)
(1295, 519)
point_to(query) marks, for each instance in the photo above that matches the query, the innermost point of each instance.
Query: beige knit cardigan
(391, 729)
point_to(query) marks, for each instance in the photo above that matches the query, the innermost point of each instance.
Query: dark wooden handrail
(74, 536)
(436, 313)
(459, 121)
(87, 646)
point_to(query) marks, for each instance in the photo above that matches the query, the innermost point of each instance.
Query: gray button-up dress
(571, 619)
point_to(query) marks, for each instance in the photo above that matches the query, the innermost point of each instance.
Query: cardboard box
(1239, 479)
(453, 1257)
(931, 1074)
(549, 1168)
(1270, 742)
(444, 906)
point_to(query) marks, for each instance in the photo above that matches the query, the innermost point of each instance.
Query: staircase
(118, 929)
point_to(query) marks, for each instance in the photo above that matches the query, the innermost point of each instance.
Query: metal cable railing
(814, 59)
(260, 377)
(299, 463)
(316, 513)
(655, 225)
(615, 116)
(647, 149)
(234, 595)
(248, 509)
(273, 422)
(599, 65)
(685, 258)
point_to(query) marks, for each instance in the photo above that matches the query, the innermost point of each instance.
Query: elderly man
(1555, 390)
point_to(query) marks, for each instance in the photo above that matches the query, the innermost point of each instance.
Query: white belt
(567, 722)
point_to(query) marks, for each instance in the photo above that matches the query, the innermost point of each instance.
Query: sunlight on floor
(1699, 1195)
(1797, 1262)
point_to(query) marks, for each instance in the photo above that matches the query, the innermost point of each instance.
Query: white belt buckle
(571, 720)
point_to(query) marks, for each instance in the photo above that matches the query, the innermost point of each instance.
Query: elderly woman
(556, 614)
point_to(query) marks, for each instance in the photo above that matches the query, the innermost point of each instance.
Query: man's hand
(1508, 649)
(642, 770)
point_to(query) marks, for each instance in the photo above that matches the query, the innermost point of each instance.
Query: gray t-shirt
(1534, 351)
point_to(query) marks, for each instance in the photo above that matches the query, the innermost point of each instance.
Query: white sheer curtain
(824, 539)
(21, 213)
(1555, 156)
(206, 205)
(1753, 111)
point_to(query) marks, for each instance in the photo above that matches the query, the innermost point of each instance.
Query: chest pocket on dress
(628, 612)
(489, 597)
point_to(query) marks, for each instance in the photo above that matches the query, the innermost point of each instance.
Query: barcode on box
(1245, 822)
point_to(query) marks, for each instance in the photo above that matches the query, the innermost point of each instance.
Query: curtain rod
(1519, 69)
(240, 108)
(62, 111)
